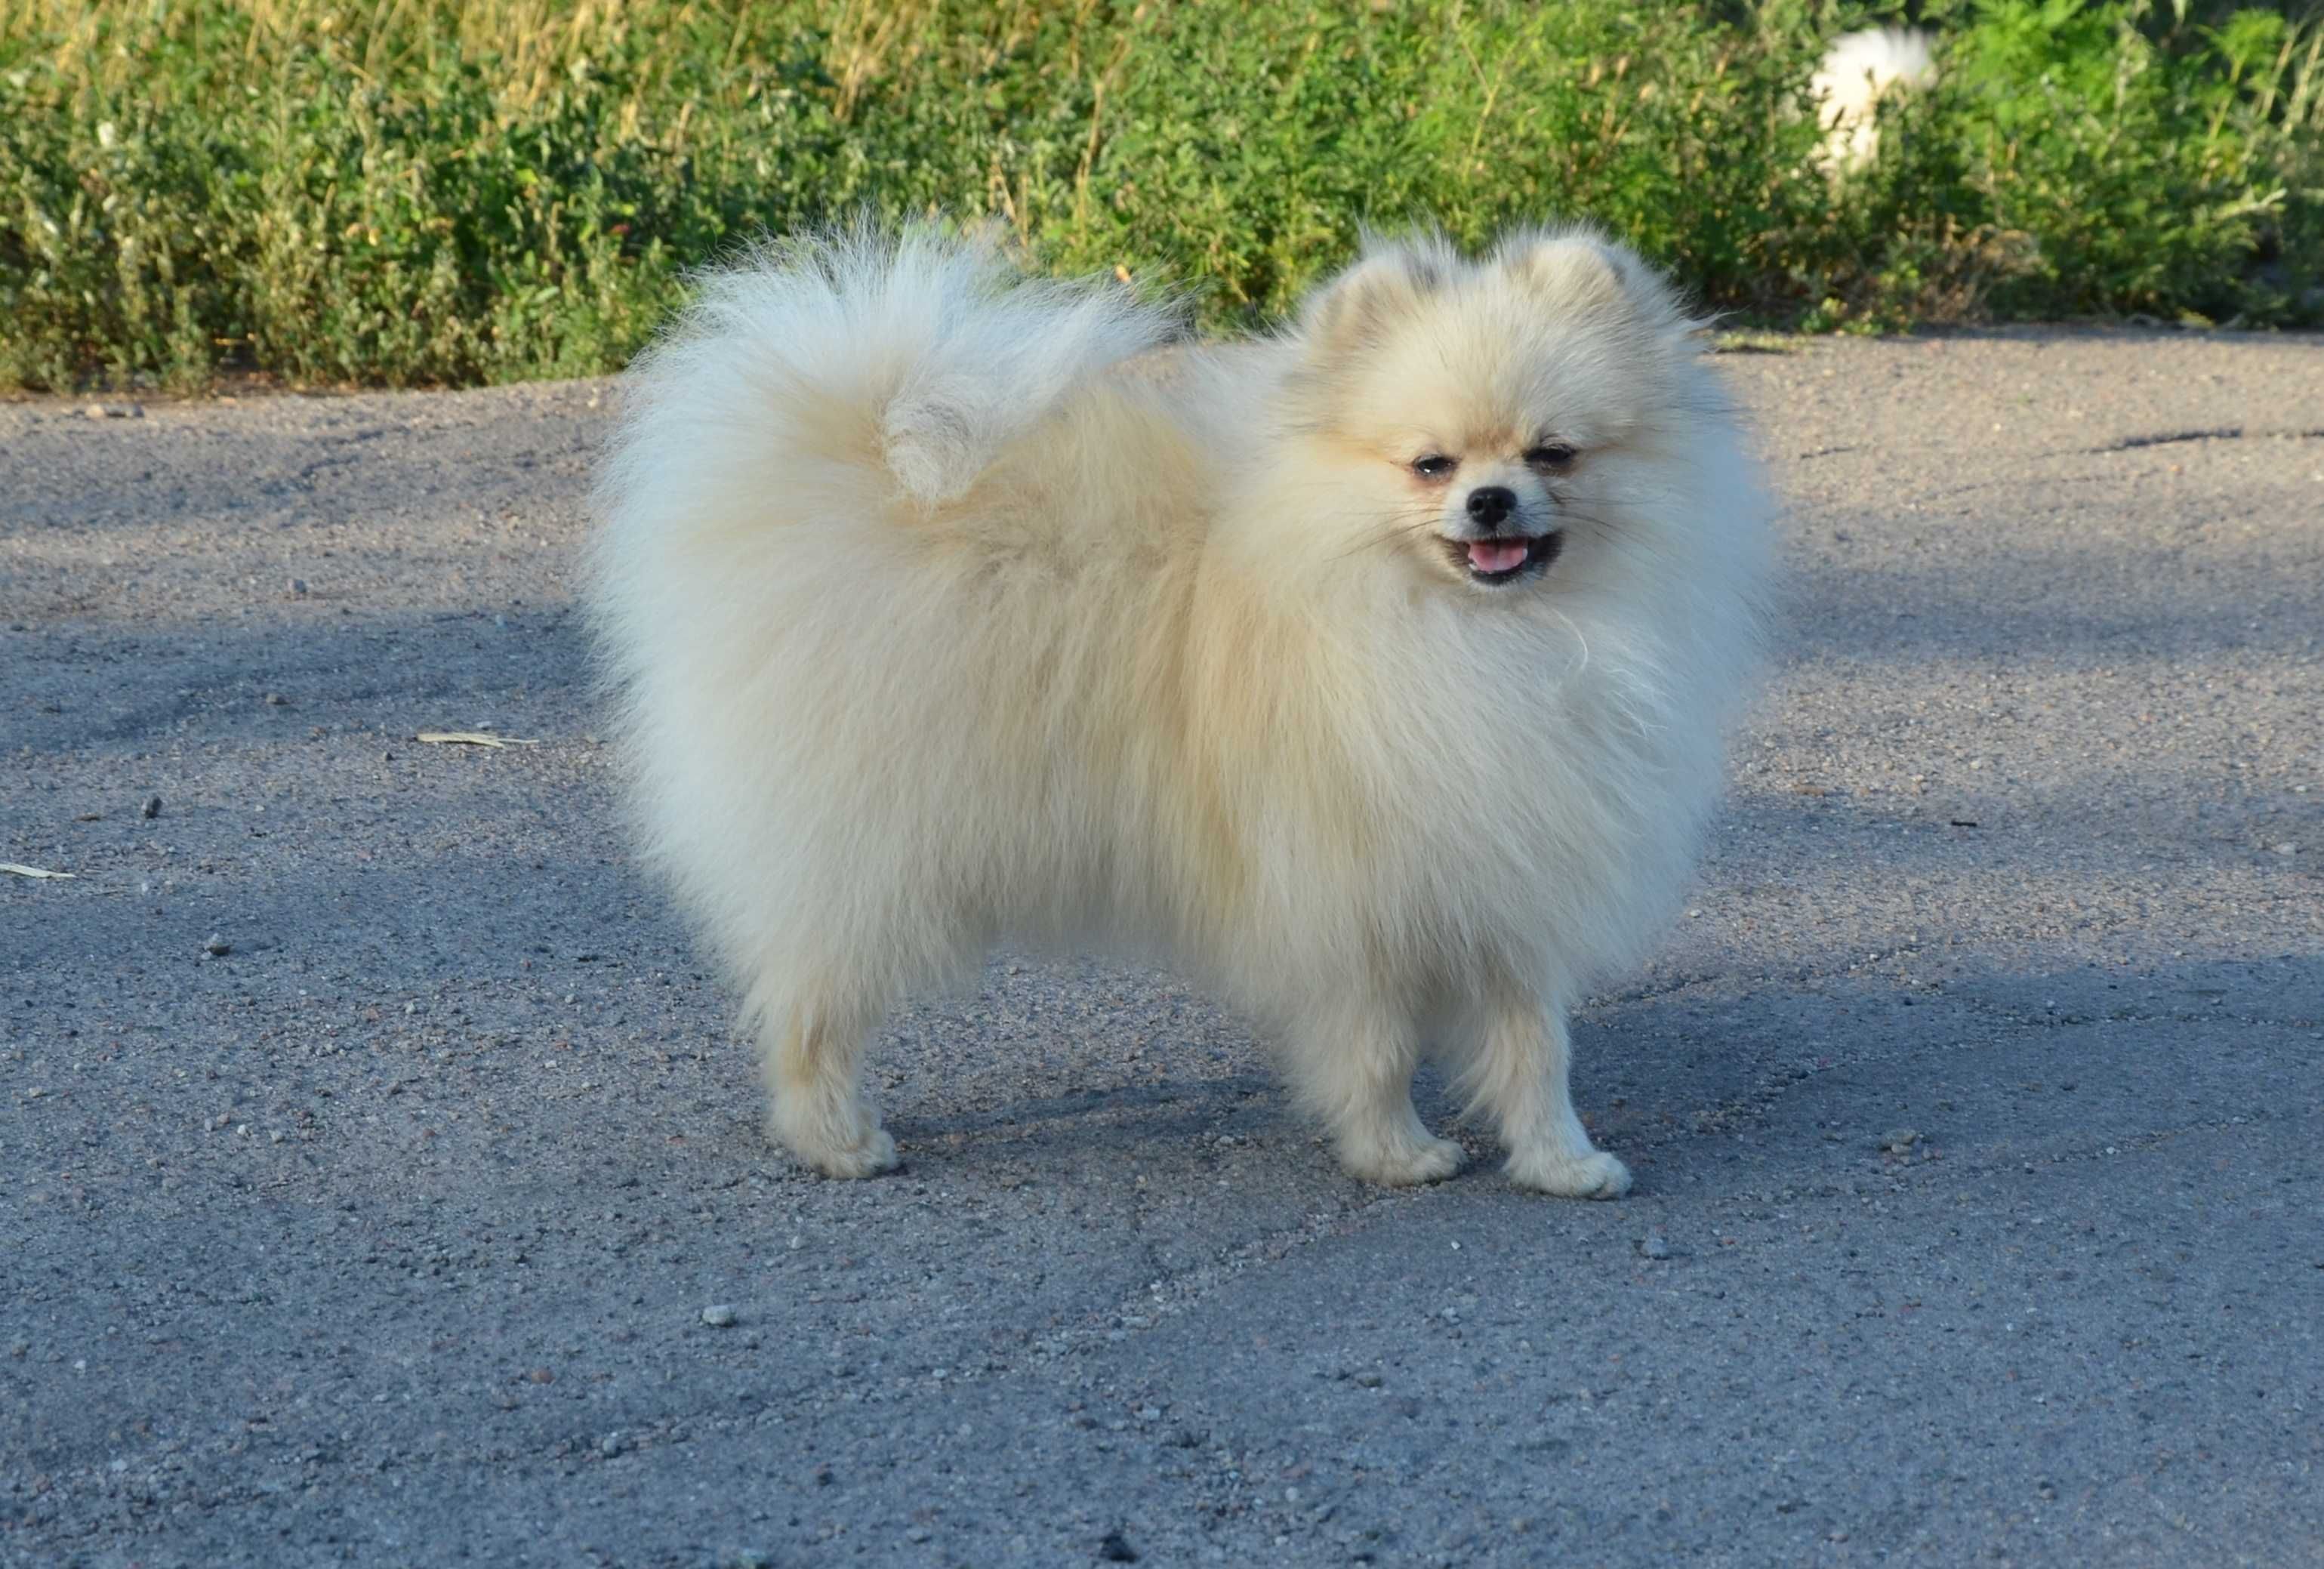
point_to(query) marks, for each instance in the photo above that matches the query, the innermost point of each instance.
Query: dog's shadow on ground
(1702, 1092)
(1786, 1088)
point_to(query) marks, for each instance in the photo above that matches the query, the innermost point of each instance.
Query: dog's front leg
(1519, 1075)
(812, 1054)
(1352, 1061)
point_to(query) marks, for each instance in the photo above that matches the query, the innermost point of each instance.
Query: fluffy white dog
(1373, 673)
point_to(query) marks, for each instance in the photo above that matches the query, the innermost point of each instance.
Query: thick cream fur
(947, 608)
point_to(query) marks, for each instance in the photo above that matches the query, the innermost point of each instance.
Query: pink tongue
(1496, 555)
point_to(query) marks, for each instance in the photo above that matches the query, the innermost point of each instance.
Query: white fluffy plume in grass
(1859, 70)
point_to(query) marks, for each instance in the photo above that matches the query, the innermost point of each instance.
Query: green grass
(427, 192)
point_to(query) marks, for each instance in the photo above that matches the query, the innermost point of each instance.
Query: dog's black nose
(1489, 504)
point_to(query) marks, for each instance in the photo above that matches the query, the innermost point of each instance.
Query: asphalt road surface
(371, 1143)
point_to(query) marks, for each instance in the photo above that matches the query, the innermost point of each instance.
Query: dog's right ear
(1576, 270)
(1389, 278)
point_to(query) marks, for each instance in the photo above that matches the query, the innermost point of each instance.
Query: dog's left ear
(1577, 271)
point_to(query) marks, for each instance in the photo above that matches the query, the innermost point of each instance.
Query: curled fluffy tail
(918, 354)
(775, 450)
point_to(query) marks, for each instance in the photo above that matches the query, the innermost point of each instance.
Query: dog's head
(1493, 422)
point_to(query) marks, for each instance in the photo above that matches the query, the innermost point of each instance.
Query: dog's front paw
(868, 1157)
(1596, 1175)
(1404, 1162)
(868, 1154)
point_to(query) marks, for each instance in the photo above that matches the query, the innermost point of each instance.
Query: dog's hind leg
(1518, 1074)
(811, 1045)
(1353, 1065)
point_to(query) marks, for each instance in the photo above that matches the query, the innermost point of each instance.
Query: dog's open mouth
(1506, 558)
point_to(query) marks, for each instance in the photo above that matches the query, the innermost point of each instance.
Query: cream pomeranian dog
(1372, 673)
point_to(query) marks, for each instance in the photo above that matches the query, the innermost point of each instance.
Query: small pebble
(2287, 849)
(718, 1315)
(1369, 1378)
(297, 586)
(153, 808)
(1113, 1549)
(611, 1444)
(1898, 1141)
(217, 947)
(1653, 1246)
(277, 700)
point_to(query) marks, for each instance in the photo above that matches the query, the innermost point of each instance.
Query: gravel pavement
(380, 1179)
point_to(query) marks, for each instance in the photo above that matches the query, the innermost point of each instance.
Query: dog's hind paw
(1596, 1175)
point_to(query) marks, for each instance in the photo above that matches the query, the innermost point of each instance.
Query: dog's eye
(1551, 455)
(1436, 466)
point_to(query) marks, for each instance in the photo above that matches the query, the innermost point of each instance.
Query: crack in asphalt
(2217, 433)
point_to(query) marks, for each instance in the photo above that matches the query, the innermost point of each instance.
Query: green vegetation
(427, 191)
